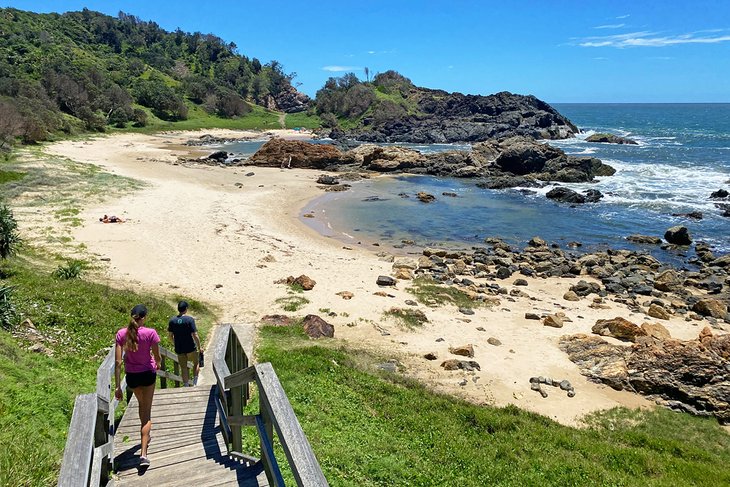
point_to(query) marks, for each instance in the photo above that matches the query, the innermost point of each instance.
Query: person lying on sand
(111, 219)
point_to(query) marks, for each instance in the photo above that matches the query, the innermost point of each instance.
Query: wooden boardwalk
(187, 447)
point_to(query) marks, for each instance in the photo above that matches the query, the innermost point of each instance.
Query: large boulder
(279, 152)
(678, 235)
(687, 375)
(710, 307)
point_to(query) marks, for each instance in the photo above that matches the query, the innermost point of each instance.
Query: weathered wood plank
(302, 460)
(240, 378)
(77, 455)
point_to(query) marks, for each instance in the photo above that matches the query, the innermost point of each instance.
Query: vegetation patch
(430, 293)
(9, 176)
(369, 429)
(292, 303)
(71, 270)
(407, 317)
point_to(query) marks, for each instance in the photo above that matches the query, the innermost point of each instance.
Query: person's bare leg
(144, 397)
(184, 371)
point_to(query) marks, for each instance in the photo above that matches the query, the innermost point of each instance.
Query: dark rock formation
(453, 117)
(219, 156)
(719, 194)
(565, 195)
(610, 139)
(678, 235)
(290, 100)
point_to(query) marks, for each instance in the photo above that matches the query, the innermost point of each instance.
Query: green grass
(370, 429)
(430, 293)
(77, 321)
(9, 176)
(302, 120)
(258, 118)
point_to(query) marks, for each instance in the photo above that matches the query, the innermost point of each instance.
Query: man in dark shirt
(185, 336)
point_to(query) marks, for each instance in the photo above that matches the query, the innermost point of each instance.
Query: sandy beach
(224, 237)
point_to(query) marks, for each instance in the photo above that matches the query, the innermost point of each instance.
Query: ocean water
(683, 155)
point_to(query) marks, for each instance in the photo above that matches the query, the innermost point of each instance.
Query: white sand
(193, 232)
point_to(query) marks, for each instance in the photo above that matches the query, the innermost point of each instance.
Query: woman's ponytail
(138, 312)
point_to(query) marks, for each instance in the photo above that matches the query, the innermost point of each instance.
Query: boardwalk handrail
(89, 450)
(233, 374)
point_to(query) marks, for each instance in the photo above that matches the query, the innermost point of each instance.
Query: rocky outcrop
(290, 100)
(610, 139)
(453, 117)
(279, 152)
(687, 375)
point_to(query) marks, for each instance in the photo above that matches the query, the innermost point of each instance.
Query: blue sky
(559, 50)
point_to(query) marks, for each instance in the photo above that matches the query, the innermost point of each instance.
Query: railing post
(101, 437)
(163, 367)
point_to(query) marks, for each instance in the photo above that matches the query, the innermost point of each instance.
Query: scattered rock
(327, 179)
(425, 197)
(532, 316)
(345, 294)
(454, 364)
(571, 296)
(464, 350)
(656, 331)
(656, 311)
(303, 281)
(553, 320)
(385, 281)
(431, 356)
(466, 311)
(493, 341)
(710, 307)
(316, 327)
(719, 194)
(277, 320)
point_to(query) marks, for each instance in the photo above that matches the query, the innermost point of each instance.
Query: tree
(9, 237)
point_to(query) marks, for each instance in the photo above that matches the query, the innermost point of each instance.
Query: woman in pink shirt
(137, 341)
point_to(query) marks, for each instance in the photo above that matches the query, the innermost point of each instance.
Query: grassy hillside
(85, 71)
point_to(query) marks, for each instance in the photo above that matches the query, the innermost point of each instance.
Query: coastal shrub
(9, 237)
(8, 313)
(72, 269)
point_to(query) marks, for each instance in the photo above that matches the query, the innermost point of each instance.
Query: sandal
(144, 462)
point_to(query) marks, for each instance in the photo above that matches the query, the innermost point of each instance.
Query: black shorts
(136, 379)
